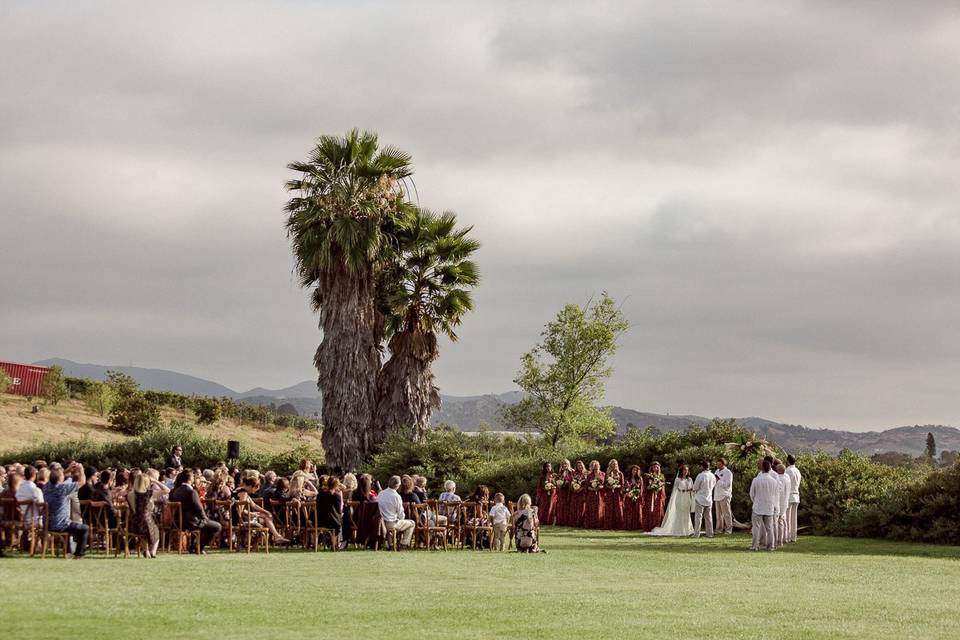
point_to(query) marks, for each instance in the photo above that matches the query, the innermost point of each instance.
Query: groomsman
(763, 492)
(722, 495)
(703, 499)
(795, 479)
(780, 525)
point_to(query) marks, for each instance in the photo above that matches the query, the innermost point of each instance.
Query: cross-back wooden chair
(99, 524)
(10, 522)
(313, 532)
(435, 535)
(219, 510)
(125, 535)
(451, 511)
(249, 529)
(174, 530)
(474, 524)
(48, 539)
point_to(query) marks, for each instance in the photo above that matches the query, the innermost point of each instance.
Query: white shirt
(784, 492)
(764, 492)
(499, 514)
(724, 488)
(795, 480)
(703, 488)
(29, 491)
(391, 505)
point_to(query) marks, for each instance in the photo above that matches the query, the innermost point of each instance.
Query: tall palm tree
(424, 294)
(346, 208)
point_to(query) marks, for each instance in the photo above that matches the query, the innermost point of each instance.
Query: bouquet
(595, 484)
(634, 493)
(576, 484)
(655, 483)
(613, 482)
(558, 483)
(549, 486)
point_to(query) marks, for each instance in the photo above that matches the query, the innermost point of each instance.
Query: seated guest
(449, 495)
(93, 477)
(392, 513)
(43, 475)
(121, 484)
(330, 505)
(169, 477)
(364, 490)
(266, 483)
(9, 512)
(527, 526)
(142, 519)
(30, 491)
(301, 488)
(259, 516)
(56, 493)
(191, 509)
(480, 495)
(407, 494)
(160, 490)
(420, 487)
(103, 492)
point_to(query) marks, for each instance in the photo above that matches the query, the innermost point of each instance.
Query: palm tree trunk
(406, 395)
(347, 361)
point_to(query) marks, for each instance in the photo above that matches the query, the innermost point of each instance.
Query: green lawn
(588, 585)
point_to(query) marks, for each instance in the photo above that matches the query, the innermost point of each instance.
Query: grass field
(588, 585)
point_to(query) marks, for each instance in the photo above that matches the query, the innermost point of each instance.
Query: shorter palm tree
(424, 293)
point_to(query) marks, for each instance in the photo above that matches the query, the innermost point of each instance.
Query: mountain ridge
(469, 413)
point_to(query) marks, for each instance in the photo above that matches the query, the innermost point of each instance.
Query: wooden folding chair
(219, 510)
(124, 535)
(250, 530)
(474, 523)
(173, 515)
(10, 521)
(435, 536)
(451, 510)
(312, 530)
(48, 538)
(99, 524)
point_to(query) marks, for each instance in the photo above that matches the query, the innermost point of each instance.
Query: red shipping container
(27, 378)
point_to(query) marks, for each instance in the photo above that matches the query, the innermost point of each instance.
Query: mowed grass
(588, 585)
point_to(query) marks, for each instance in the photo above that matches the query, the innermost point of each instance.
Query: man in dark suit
(191, 509)
(175, 459)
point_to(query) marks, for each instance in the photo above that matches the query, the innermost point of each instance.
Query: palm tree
(347, 206)
(424, 294)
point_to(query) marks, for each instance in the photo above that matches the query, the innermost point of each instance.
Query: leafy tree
(5, 382)
(563, 376)
(132, 413)
(53, 389)
(287, 409)
(424, 293)
(207, 409)
(347, 204)
(931, 449)
(98, 396)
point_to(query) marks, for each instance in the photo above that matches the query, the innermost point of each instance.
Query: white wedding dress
(676, 521)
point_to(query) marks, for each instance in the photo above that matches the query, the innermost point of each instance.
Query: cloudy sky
(772, 188)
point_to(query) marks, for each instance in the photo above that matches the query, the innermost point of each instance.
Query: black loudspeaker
(233, 449)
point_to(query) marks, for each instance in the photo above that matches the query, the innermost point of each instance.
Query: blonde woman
(528, 526)
(300, 487)
(613, 497)
(142, 519)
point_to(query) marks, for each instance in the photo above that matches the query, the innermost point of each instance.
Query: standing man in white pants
(722, 495)
(763, 492)
(783, 513)
(703, 499)
(795, 479)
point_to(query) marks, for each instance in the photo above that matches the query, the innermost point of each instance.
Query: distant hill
(469, 413)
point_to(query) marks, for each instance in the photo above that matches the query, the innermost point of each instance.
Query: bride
(676, 522)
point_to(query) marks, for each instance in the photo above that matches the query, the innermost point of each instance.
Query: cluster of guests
(589, 497)
(775, 492)
(211, 498)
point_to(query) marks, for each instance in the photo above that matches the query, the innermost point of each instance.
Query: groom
(703, 499)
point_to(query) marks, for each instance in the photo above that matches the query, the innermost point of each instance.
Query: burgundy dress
(633, 508)
(613, 503)
(564, 500)
(654, 507)
(593, 509)
(578, 501)
(546, 501)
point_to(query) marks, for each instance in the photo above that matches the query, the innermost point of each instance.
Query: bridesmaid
(633, 499)
(655, 497)
(578, 502)
(593, 509)
(546, 495)
(613, 497)
(564, 494)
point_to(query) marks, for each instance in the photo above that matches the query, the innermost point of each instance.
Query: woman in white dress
(676, 521)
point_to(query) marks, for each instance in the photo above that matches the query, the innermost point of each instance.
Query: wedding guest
(330, 505)
(633, 499)
(655, 497)
(780, 526)
(420, 487)
(407, 494)
(192, 513)
(43, 476)
(703, 488)
(364, 491)
(249, 487)
(480, 495)
(301, 488)
(175, 459)
(142, 520)
(722, 496)
(9, 513)
(794, 504)
(57, 494)
(266, 484)
(578, 502)
(84, 492)
(29, 490)
(613, 497)
(527, 527)
(121, 484)
(103, 492)
(564, 494)
(547, 494)
(392, 513)
(763, 492)
(500, 521)
(449, 495)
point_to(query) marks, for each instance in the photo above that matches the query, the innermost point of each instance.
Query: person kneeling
(392, 513)
(528, 526)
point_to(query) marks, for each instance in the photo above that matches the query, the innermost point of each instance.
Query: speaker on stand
(233, 449)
